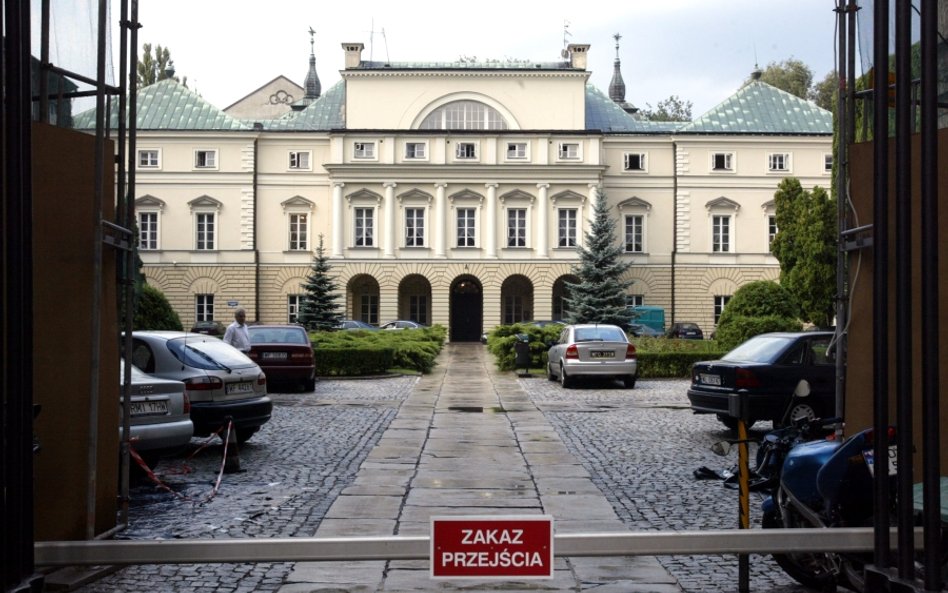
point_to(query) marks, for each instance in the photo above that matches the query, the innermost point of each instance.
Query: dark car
(685, 331)
(769, 367)
(355, 324)
(285, 354)
(640, 330)
(403, 324)
(209, 328)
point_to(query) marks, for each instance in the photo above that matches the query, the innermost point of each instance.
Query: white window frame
(156, 152)
(643, 161)
(508, 228)
(299, 160)
(721, 245)
(521, 151)
(641, 230)
(293, 302)
(570, 233)
(475, 148)
(413, 216)
(772, 231)
(457, 227)
(730, 162)
(364, 150)
(569, 151)
(827, 160)
(720, 302)
(209, 157)
(204, 307)
(302, 242)
(145, 234)
(198, 215)
(423, 156)
(635, 300)
(372, 213)
(779, 162)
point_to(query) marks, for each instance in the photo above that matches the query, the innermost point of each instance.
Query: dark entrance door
(466, 310)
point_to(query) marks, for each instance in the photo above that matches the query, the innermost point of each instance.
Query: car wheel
(799, 411)
(629, 381)
(309, 385)
(565, 381)
(549, 372)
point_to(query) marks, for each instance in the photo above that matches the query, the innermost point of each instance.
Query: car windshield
(208, 355)
(605, 334)
(759, 349)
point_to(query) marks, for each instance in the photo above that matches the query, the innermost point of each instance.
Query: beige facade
(456, 195)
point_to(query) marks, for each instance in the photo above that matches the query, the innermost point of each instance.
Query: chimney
(577, 55)
(353, 54)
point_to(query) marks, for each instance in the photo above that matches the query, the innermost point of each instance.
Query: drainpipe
(674, 253)
(256, 252)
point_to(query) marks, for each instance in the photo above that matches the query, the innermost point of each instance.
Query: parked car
(592, 350)
(643, 331)
(403, 324)
(285, 354)
(354, 324)
(211, 328)
(220, 380)
(159, 415)
(769, 367)
(685, 330)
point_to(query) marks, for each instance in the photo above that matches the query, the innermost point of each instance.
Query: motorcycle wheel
(811, 570)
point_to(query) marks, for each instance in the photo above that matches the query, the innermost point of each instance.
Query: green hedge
(501, 340)
(376, 352)
(348, 362)
(654, 365)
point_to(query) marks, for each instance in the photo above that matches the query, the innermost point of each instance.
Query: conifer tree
(318, 307)
(600, 295)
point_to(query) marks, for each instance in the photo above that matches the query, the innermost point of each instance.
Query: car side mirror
(802, 389)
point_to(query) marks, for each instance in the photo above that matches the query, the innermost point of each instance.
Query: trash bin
(522, 351)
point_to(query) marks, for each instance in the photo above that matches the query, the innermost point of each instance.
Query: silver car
(159, 416)
(221, 381)
(592, 350)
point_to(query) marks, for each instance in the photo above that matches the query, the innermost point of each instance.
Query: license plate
(274, 355)
(602, 354)
(239, 388)
(710, 379)
(155, 408)
(869, 456)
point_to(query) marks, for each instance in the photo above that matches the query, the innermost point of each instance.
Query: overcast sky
(700, 50)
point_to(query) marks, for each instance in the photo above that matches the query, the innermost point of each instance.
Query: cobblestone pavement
(641, 447)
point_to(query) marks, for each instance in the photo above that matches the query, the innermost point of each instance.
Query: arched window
(464, 115)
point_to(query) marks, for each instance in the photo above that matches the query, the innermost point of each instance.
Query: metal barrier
(729, 541)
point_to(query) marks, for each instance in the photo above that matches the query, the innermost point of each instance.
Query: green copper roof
(324, 114)
(759, 108)
(167, 105)
(602, 113)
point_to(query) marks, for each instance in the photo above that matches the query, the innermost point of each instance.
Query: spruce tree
(600, 295)
(318, 307)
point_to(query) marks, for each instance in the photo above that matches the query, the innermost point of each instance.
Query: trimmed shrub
(351, 362)
(762, 298)
(653, 365)
(502, 339)
(414, 349)
(154, 312)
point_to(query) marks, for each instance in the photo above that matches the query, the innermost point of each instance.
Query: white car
(221, 381)
(592, 350)
(159, 415)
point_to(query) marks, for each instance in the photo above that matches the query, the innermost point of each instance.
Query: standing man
(237, 334)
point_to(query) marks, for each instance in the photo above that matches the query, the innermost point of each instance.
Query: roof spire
(311, 84)
(617, 86)
(756, 73)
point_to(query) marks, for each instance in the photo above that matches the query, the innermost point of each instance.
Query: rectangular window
(293, 307)
(147, 230)
(635, 300)
(148, 159)
(513, 309)
(205, 159)
(634, 162)
(299, 160)
(517, 227)
(299, 232)
(466, 150)
(414, 227)
(415, 150)
(567, 227)
(720, 234)
(516, 150)
(720, 301)
(828, 163)
(722, 161)
(778, 162)
(205, 239)
(364, 150)
(635, 233)
(771, 230)
(369, 308)
(204, 307)
(466, 227)
(418, 308)
(364, 227)
(569, 151)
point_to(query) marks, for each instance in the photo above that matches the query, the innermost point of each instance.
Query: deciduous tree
(156, 66)
(671, 109)
(790, 75)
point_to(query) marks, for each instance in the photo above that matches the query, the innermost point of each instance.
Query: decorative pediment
(466, 194)
(722, 203)
(634, 203)
(205, 203)
(516, 194)
(567, 195)
(415, 195)
(768, 206)
(148, 202)
(364, 195)
(297, 202)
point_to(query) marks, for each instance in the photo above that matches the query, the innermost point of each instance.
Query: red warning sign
(492, 547)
